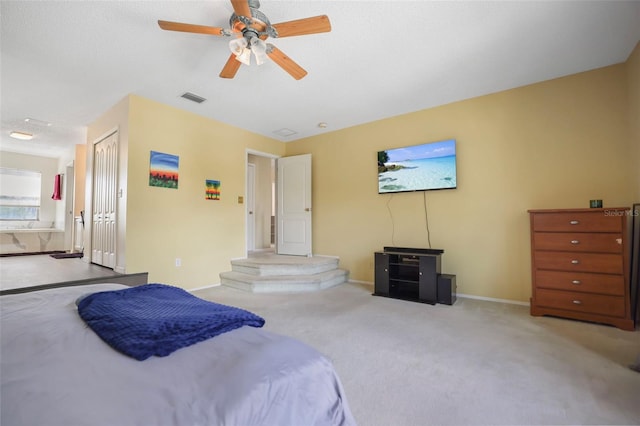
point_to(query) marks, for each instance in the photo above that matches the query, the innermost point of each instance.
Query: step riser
(275, 273)
(300, 283)
(276, 270)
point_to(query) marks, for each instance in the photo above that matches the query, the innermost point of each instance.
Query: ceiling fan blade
(231, 67)
(190, 28)
(241, 8)
(286, 63)
(314, 25)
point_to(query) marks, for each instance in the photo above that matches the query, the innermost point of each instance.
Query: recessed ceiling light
(322, 125)
(285, 132)
(21, 135)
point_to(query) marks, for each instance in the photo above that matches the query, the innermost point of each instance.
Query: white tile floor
(28, 271)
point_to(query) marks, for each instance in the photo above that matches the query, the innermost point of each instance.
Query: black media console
(413, 274)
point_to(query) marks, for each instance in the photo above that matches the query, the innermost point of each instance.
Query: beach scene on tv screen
(418, 168)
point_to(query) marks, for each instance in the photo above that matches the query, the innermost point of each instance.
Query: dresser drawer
(583, 221)
(581, 302)
(576, 241)
(581, 281)
(579, 262)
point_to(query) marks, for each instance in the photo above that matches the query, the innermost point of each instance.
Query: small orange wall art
(163, 170)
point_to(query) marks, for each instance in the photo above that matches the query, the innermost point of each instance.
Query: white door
(251, 207)
(103, 231)
(69, 221)
(294, 205)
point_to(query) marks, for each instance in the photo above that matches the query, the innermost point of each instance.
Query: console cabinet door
(428, 282)
(381, 274)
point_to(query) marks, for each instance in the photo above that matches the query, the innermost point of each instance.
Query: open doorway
(260, 203)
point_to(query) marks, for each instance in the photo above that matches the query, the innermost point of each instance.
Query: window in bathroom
(20, 194)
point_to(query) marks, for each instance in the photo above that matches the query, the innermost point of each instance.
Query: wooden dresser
(580, 265)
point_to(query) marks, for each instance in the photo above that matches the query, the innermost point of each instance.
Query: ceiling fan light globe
(260, 59)
(259, 48)
(237, 46)
(244, 57)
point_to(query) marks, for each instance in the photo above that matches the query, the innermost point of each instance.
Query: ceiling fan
(250, 28)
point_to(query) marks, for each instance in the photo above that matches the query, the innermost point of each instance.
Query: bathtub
(31, 240)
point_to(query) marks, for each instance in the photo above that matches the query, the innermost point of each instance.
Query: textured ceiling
(66, 62)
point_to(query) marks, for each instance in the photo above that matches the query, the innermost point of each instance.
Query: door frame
(251, 207)
(69, 220)
(246, 215)
(89, 195)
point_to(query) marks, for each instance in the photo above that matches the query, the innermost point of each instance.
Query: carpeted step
(279, 265)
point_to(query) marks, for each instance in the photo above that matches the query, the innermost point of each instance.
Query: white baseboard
(370, 284)
(492, 299)
(204, 287)
(462, 295)
(326, 255)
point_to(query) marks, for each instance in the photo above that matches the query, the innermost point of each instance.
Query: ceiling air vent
(285, 132)
(193, 98)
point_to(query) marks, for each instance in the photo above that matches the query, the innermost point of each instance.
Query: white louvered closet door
(105, 178)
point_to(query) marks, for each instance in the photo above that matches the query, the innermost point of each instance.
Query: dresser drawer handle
(577, 302)
(575, 242)
(576, 282)
(574, 222)
(575, 261)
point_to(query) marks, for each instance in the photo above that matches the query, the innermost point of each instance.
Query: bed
(55, 370)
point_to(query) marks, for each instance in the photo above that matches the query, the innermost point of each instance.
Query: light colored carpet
(473, 363)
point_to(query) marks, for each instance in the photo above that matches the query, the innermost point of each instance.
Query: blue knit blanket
(157, 319)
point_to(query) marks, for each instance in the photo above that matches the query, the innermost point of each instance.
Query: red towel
(57, 185)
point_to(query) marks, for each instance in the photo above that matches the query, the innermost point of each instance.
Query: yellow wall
(555, 144)
(165, 224)
(633, 75)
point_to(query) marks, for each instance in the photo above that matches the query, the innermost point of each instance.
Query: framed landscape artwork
(163, 170)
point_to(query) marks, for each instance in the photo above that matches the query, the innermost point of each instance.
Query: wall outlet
(178, 262)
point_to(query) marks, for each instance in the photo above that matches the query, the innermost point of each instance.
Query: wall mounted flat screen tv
(422, 167)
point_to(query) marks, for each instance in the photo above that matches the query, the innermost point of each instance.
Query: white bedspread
(57, 371)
